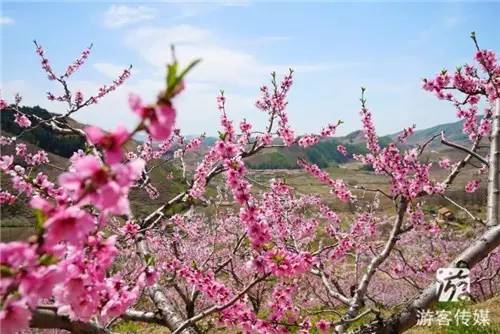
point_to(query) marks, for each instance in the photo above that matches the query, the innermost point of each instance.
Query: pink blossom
(22, 120)
(148, 277)
(193, 144)
(21, 149)
(71, 224)
(487, 59)
(407, 132)
(308, 140)
(14, 316)
(7, 198)
(434, 229)
(78, 62)
(111, 142)
(287, 134)
(78, 98)
(159, 119)
(445, 163)
(3, 104)
(37, 284)
(266, 139)
(472, 186)
(245, 127)
(323, 326)
(342, 150)
(417, 216)
(39, 158)
(105, 89)
(17, 255)
(369, 131)
(92, 182)
(6, 140)
(130, 228)
(6, 161)
(337, 187)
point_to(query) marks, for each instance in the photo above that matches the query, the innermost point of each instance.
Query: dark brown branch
(46, 318)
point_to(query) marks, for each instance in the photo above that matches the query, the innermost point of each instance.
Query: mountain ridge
(323, 154)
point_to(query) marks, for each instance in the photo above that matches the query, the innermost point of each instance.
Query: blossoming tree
(272, 261)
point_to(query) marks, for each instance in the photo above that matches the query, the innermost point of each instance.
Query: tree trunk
(494, 170)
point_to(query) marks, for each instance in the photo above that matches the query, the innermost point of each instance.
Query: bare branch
(464, 209)
(464, 149)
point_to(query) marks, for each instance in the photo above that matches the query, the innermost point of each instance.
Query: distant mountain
(453, 132)
(323, 154)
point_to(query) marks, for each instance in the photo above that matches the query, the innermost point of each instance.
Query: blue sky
(335, 49)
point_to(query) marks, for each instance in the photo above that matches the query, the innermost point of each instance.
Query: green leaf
(88, 149)
(222, 135)
(171, 74)
(40, 219)
(150, 260)
(188, 68)
(6, 271)
(173, 80)
(47, 259)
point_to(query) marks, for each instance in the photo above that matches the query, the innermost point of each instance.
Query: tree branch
(46, 318)
(464, 149)
(218, 308)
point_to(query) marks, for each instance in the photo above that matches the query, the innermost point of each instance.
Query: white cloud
(121, 15)
(221, 66)
(112, 70)
(6, 20)
(237, 71)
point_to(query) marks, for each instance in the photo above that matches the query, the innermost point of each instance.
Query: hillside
(453, 132)
(17, 219)
(40, 136)
(324, 154)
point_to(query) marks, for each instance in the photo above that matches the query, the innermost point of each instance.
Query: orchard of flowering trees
(278, 260)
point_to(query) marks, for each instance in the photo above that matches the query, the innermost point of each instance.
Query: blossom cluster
(70, 257)
(466, 87)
